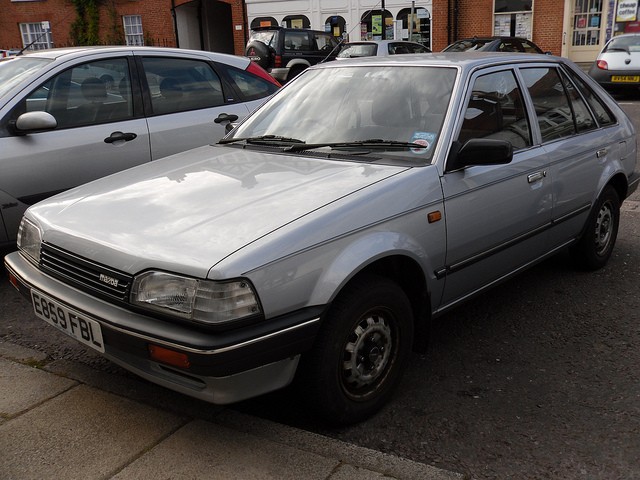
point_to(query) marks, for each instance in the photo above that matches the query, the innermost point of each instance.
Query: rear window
(265, 37)
(358, 50)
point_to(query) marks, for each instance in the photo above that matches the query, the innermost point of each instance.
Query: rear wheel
(595, 247)
(360, 352)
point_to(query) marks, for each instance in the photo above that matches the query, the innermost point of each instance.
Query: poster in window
(376, 24)
(627, 11)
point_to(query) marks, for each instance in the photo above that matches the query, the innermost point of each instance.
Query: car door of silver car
(577, 145)
(497, 215)
(98, 132)
(186, 97)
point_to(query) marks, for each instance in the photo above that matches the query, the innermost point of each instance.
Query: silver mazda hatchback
(320, 237)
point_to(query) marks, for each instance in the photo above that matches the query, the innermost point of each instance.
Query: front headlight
(203, 301)
(30, 239)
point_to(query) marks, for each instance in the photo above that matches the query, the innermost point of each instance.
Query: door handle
(534, 177)
(601, 153)
(116, 136)
(225, 117)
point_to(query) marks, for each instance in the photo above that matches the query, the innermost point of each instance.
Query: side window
(297, 41)
(496, 110)
(584, 120)
(87, 94)
(178, 85)
(602, 113)
(325, 43)
(251, 86)
(550, 101)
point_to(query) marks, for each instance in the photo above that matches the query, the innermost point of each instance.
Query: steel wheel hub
(604, 226)
(367, 352)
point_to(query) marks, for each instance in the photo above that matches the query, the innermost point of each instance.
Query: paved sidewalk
(64, 420)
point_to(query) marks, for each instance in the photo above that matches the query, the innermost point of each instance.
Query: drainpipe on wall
(455, 20)
(245, 22)
(449, 23)
(200, 25)
(175, 23)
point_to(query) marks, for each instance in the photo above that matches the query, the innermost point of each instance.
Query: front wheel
(596, 245)
(360, 352)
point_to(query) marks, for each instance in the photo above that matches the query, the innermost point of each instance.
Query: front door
(585, 29)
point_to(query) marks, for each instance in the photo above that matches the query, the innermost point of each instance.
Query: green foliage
(116, 30)
(85, 28)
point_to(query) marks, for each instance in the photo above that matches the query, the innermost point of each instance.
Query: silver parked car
(617, 67)
(68, 116)
(321, 237)
(380, 48)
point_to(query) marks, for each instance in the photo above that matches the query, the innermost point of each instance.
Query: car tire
(596, 245)
(295, 71)
(258, 52)
(360, 352)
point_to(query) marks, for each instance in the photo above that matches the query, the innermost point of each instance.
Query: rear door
(183, 98)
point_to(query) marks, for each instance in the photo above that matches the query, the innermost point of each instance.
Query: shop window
(420, 26)
(372, 23)
(296, 21)
(133, 30)
(513, 18)
(335, 25)
(37, 36)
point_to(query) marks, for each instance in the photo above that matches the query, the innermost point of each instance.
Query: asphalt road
(538, 378)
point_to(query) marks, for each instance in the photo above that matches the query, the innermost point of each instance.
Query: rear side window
(495, 110)
(297, 41)
(251, 86)
(178, 85)
(552, 107)
(602, 113)
(583, 118)
(325, 43)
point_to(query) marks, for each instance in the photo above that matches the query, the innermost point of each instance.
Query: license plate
(626, 78)
(73, 323)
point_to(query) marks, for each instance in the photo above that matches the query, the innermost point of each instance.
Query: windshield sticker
(423, 138)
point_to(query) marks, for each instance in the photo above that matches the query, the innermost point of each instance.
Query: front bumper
(224, 367)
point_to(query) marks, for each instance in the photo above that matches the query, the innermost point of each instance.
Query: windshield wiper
(371, 144)
(263, 139)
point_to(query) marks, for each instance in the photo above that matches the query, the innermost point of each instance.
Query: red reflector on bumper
(14, 281)
(171, 357)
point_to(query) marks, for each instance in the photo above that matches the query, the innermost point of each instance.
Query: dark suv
(285, 52)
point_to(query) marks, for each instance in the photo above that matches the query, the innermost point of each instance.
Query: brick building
(573, 28)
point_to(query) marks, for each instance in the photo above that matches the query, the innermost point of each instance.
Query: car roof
(450, 59)
(69, 53)
(379, 42)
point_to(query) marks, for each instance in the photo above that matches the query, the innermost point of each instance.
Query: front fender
(366, 251)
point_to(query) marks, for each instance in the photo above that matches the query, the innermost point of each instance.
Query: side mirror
(477, 152)
(32, 122)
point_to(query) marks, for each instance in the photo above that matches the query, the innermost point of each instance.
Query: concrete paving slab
(22, 387)
(19, 353)
(83, 433)
(206, 450)
(346, 453)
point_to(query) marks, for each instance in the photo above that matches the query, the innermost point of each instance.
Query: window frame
(34, 38)
(134, 39)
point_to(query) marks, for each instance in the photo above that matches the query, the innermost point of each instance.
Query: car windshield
(14, 69)
(396, 111)
(358, 50)
(626, 44)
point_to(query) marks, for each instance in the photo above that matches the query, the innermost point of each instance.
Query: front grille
(84, 274)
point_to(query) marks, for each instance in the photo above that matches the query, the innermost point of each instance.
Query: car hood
(187, 212)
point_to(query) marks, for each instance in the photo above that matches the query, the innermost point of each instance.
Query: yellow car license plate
(626, 78)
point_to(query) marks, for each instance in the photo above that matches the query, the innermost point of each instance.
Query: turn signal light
(278, 61)
(171, 357)
(602, 65)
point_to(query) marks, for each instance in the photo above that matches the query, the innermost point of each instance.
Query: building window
(133, 30)
(513, 18)
(37, 36)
